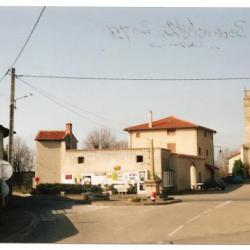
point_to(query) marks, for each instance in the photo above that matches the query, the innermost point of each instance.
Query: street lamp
(22, 97)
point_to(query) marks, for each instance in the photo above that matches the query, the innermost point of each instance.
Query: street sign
(6, 170)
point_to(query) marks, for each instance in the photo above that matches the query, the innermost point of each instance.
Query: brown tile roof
(48, 135)
(233, 155)
(170, 122)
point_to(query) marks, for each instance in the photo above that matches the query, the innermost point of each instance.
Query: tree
(103, 139)
(23, 156)
(239, 168)
(222, 160)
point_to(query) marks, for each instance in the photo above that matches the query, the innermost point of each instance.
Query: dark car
(233, 179)
(216, 183)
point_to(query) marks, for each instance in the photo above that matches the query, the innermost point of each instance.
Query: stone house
(59, 160)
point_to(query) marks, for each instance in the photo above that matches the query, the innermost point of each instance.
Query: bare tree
(121, 144)
(102, 139)
(23, 156)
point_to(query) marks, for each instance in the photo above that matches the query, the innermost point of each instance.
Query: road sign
(6, 170)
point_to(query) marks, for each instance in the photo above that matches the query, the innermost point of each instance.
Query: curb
(18, 236)
(162, 203)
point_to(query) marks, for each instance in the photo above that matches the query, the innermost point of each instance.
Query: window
(205, 133)
(139, 158)
(171, 147)
(137, 134)
(206, 152)
(171, 131)
(199, 151)
(80, 159)
(68, 177)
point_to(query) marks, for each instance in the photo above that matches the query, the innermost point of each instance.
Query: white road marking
(193, 218)
(223, 204)
(176, 230)
(207, 211)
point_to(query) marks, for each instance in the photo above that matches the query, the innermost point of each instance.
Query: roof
(233, 155)
(188, 156)
(211, 167)
(170, 122)
(51, 135)
(6, 131)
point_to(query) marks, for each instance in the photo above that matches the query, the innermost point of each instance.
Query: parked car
(233, 179)
(216, 183)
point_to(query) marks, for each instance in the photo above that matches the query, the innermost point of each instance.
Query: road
(214, 217)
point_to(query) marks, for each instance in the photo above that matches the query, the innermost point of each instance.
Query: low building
(59, 161)
(231, 160)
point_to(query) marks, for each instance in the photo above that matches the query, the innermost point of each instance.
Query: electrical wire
(24, 45)
(62, 105)
(132, 79)
(28, 38)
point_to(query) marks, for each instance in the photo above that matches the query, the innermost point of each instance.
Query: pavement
(16, 224)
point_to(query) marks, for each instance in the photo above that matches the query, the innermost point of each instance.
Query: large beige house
(180, 157)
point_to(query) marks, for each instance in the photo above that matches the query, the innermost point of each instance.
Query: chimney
(68, 128)
(150, 121)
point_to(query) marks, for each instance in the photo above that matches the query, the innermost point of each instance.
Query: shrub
(57, 188)
(239, 168)
(111, 188)
(132, 189)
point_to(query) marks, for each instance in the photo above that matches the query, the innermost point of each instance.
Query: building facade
(59, 161)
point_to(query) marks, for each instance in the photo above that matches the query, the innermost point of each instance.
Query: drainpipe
(152, 176)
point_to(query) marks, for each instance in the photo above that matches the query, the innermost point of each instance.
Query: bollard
(153, 196)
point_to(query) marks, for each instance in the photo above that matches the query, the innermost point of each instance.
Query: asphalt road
(214, 217)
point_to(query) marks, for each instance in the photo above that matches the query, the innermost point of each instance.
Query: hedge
(56, 188)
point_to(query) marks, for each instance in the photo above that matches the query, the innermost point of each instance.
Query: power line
(84, 110)
(62, 105)
(28, 38)
(24, 45)
(133, 79)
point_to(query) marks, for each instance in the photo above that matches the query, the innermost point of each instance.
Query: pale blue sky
(77, 41)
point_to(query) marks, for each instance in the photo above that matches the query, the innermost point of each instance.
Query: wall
(181, 166)
(185, 140)
(246, 103)
(231, 162)
(48, 160)
(101, 161)
(205, 143)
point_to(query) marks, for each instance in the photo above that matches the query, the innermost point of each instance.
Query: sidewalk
(15, 225)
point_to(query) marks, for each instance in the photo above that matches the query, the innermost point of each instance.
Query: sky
(169, 43)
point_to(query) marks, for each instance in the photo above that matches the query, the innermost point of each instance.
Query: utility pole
(11, 118)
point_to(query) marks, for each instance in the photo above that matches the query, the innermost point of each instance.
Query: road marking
(223, 204)
(193, 218)
(207, 211)
(176, 230)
